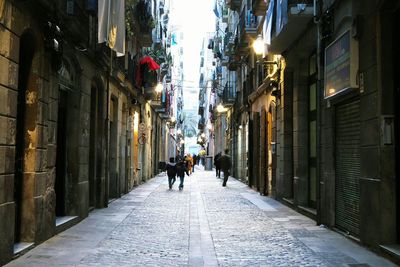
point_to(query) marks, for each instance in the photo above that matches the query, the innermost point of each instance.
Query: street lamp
(221, 108)
(203, 135)
(209, 126)
(173, 119)
(258, 45)
(179, 131)
(159, 88)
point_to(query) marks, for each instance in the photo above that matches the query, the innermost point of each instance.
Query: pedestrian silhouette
(171, 172)
(217, 164)
(226, 163)
(180, 171)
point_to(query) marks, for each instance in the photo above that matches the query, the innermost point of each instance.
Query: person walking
(171, 172)
(186, 162)
(226, 162)
(189, 163)
(194, 161)
(217, 164)
(180, 171)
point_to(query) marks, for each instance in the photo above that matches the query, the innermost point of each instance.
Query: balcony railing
(234, 4)
(146, 22)
(246, 31)
(201, 110)
(233, 62)
(225, 14)
(293, 17)
(229, 94)
(260, 7)
(201, 123)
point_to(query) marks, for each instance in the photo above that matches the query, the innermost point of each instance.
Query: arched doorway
(26, 53)
(64, 130)
(396, 79)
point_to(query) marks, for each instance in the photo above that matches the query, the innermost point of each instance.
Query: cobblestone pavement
(203, 225)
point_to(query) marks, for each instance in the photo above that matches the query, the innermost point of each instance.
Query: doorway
(26, 53)
(396, 80)
(96, 145)
(312, 132)
(113, 183)
(269, 154)
(61, 155)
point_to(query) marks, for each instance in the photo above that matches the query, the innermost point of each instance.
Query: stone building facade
(323, 120)
(70, 113)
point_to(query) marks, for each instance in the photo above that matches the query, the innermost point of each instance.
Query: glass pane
(313, 97)
(313, 139)
(313, 184)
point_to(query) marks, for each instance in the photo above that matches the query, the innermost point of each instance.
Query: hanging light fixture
(258, 45)
(159, 88)
(221, 108)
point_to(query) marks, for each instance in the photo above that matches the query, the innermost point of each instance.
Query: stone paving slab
(203, 225)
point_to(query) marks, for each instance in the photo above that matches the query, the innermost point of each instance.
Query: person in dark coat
(180, 172)
(226, 163)
(217, 165)
(171, 172)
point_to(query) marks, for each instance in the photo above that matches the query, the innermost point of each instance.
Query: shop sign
(341, 65)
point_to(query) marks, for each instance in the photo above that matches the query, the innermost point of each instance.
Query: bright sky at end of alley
(196, 19)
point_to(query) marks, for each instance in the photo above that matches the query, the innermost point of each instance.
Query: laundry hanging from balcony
(145, 74)
(150, 63)
(111, 25)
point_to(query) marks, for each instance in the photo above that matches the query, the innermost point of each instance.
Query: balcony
(229, 94)
(234, 4)
(229, 43)
(145, 21)
(246, 32)
(201, 110)
(260, 7)
(233, 62)
(294, 23)
(202, 123)
(225, 14)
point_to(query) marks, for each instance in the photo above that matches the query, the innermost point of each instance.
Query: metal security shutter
(348, 169)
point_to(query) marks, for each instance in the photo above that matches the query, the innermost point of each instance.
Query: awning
(150, 63)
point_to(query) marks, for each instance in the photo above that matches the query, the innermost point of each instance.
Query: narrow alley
(203, 225)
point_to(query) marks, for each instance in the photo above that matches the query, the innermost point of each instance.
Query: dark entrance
(348, 167)
(312, 132)
(263, 150)
(113, 183)
(95, 152)
(256, 149)
(61, 157)
(396, 79)
(26, 52)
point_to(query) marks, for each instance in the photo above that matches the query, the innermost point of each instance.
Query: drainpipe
(107, 138)
(320, 183)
